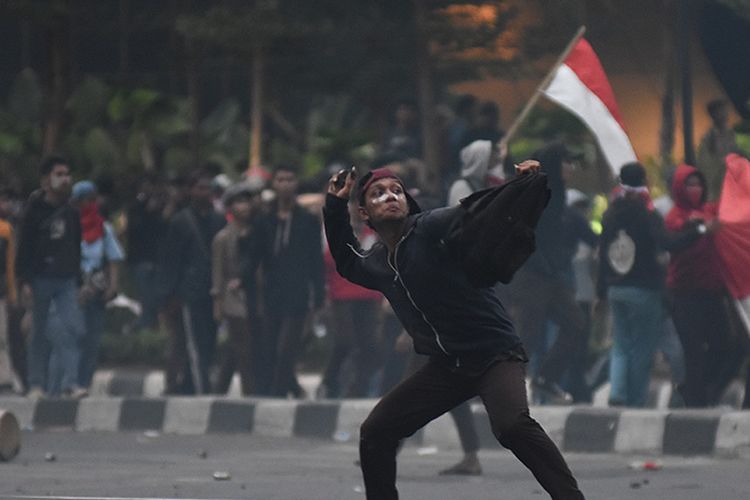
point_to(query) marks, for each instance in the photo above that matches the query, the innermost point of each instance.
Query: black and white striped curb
(574, 429)
(150, 384)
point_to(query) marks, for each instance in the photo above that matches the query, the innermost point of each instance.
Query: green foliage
(143, 347)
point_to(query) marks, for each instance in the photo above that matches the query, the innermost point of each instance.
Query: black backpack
(495, 235)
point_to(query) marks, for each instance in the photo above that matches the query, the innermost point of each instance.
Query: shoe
(75, 393)
(36, 393)
(469, 466)
(553, 393)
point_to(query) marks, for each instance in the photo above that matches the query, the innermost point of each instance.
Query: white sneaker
(76, 393)
(36, 393)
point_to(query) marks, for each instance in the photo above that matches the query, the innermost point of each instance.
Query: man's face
(285, 184)
(385, 201)
(59, 180)
(200, 192)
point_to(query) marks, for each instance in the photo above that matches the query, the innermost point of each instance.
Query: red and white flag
(733, 238)
(581, 86)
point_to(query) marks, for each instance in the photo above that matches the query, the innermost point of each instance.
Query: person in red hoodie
(698, 292)
(355, 319)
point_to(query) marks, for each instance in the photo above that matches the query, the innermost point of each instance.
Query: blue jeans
(637, 324)
(63, 339)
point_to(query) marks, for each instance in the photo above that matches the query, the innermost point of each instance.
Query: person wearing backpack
(632, 278)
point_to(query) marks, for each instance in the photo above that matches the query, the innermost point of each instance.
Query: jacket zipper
(408, 295)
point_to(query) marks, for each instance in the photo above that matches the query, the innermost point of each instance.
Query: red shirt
(339, 288)
(697, 267)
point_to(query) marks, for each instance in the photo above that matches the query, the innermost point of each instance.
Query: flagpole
(540, 89)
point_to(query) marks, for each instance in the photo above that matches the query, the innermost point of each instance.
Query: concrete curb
(574, 429)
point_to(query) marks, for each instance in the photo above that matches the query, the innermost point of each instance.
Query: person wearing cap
(230, 301)
(631, 278)
(48, 261)
(464, 329)
(541, 293)
(101, 256)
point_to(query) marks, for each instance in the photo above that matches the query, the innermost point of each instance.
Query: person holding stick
(463, 328)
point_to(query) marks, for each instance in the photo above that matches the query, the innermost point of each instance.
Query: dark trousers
(282, 346)
(192, 343)
(432, 391)
(712, 356)
(355, 330)
(237, 358)
(462, 416)
(535, 300)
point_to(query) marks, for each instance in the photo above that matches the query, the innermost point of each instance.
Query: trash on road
(359, 489)
(222, 475)
(342, 436)
(427, 450)
(646, 465)
(50, 457)
(151, 434)
(203, 454)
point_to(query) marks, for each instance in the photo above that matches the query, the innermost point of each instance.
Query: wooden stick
(540, 89)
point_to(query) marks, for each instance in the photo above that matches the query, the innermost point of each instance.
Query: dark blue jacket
(448, 318)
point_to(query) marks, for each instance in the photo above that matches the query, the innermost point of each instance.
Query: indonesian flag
(733, 237)
(581, 86)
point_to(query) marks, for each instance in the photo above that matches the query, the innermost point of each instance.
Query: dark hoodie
(696, 267)
(551, 259)
(49, 243)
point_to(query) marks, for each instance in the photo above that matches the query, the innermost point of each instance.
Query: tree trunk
(124, 39)
(58, 39)
(193, 84)
(667, 132)
(425, 88)
(686, 78)
(256, 110)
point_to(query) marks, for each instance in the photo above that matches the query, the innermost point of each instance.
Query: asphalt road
(55, 465)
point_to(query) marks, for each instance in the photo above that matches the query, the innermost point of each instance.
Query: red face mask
(694, 195)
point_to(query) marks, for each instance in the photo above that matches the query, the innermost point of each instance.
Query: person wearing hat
(464, 329)
(48, 266)
(230, 301)
(631, 278)
(101, 256)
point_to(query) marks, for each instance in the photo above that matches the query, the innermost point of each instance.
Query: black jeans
(712, 357)
(536, 299)
(432, 391)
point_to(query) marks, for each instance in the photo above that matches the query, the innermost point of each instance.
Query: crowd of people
(252, 257)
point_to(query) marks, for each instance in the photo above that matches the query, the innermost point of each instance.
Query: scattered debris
(50, 457)
(427, 450)
(359, 489)
(151, 434)
(342, 436)
(222, 475)
(646, 465)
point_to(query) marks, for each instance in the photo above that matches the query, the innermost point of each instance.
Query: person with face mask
(48, 267)
(698, 292)
(101, 255)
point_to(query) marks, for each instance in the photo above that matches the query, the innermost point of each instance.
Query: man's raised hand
(528, 166)
(342, 183)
